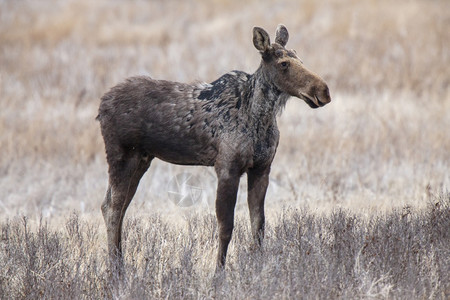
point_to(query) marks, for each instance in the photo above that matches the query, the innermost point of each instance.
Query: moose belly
(182, 149)
(186, 155)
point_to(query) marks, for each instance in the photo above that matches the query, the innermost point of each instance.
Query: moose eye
(284, 64)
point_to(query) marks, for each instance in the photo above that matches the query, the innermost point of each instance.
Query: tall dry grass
(401, 254)
(382, 144)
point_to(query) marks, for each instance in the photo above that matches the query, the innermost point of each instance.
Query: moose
(230, 124)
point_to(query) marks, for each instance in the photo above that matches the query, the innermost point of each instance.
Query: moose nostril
(327, 94)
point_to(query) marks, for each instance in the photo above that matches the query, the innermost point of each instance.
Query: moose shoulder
(229, 124)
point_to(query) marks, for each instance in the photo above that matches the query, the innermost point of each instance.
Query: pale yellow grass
(383, 142)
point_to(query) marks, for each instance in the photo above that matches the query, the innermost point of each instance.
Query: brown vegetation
(402, 254)
(381, 145)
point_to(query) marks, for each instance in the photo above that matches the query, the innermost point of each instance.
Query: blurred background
(383, 142)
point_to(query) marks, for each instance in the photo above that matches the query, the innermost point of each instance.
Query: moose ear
(261, 39)
(282, 35)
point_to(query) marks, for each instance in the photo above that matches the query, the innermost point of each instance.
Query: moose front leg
(258, 180)
(228, 184)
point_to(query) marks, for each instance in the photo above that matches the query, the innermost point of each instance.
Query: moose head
(286, 72)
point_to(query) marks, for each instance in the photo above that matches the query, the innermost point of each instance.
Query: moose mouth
(313, 102)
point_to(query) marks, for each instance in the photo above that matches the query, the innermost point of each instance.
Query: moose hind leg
(124, 177)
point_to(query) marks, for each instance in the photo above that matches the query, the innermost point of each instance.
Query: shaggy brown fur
(229, 124)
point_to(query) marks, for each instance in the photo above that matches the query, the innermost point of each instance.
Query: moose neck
(266, 101)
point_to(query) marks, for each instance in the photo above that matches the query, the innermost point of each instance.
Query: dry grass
(401, 254)
(382, 144)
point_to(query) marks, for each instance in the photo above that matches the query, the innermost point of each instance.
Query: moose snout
(324, 96)
(317, 96)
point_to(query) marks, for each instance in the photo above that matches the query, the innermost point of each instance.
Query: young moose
(229, 124)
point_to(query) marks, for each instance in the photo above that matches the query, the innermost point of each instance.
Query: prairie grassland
(401, 254)
(381, 146)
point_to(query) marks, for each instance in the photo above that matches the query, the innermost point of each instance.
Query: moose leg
(258, 180)
(228, 184)
(124, 177)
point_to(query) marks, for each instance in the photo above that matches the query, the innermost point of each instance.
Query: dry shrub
(400, 254)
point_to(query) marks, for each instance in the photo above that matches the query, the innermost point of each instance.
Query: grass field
(400, 254)
(358, 202)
